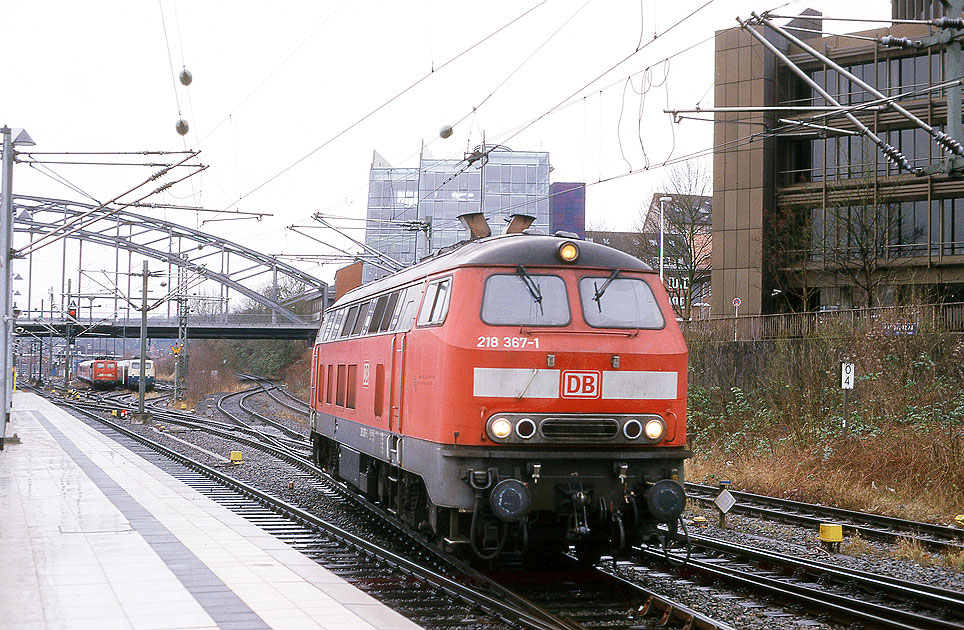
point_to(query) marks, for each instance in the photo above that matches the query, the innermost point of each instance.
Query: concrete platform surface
(93, 536)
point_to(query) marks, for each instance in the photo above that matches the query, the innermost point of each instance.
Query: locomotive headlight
(525, 428)
(654, 429)
(632, 429)
(500, 428)
(568, 252)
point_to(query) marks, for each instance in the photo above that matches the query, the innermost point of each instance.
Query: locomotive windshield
(624, 303)
(524, 299)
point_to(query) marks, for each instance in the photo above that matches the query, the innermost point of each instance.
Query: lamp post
(10, 138)
(662, 201)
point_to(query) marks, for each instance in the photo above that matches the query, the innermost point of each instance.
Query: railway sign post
(724, 502)
(736, 314)
(848, 375)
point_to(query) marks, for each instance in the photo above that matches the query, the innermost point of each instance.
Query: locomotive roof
(530, 250)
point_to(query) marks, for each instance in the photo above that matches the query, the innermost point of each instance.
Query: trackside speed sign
(848, 374)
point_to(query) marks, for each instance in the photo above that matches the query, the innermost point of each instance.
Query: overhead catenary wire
(582, 98)
(387, 103)
(170, 61)
(524, 61)
(608, 70)
(102, 211)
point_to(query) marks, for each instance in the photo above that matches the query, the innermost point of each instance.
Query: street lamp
(10, 138)
(662, 201)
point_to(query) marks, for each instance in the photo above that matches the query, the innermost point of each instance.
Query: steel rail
(444, 583)
(814, 515)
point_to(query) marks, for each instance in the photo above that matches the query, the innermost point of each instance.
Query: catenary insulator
(948, 22)
(445, 131)
(182, 127)
(186, 77)
(898, 42)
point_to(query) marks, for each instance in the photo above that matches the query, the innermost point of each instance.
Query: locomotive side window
(389, 311)
(436, 304)
(379, 389)
(523, 299)
(352, 385)
(377, 314)
(320, 384)
(614, 302)
(342, 382)
(331, 383)
(364, 315)
(349, 321)
(406, 314)
(325, 331)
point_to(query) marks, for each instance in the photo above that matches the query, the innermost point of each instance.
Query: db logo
(580, 384)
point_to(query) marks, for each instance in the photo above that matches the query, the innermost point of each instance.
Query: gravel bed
(741, 610)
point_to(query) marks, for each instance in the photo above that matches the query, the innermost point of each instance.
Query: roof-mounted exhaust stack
(476, 225)
(518, 223)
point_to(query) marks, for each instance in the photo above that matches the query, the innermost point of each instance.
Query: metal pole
(67, 331)
(6, 211)
(953, 67)
(142, 378)
(660, 240)
(50, 348)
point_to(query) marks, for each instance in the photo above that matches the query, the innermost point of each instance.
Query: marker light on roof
(568, 252)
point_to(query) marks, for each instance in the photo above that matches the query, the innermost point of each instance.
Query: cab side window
(436, 303)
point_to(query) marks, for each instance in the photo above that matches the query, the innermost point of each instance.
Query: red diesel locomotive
(518, 391)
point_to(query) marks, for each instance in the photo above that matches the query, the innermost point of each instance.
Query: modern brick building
(808, 212)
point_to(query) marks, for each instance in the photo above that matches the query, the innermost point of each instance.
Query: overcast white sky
(276, 80)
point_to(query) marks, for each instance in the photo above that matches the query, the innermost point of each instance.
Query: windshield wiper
(532, 286)
(602, 289)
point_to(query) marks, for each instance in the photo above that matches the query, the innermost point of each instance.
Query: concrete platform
(93, 536)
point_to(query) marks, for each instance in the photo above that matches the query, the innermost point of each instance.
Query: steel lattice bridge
(188, 253)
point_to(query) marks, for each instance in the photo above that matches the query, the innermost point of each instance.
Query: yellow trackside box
(235, 457)
(830, 533)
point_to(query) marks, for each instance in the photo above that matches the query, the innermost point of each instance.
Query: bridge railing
(895, 320)
(231, 320)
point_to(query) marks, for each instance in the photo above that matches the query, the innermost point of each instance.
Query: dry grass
(768, 416)
(857, 546)
(867, 475)
(953, 560)
(910, 549)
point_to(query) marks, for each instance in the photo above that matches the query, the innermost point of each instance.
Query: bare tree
(686, 234)
(862, 237)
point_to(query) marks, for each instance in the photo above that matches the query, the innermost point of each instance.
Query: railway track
(870, 526)
(814, 588)
(634, 608)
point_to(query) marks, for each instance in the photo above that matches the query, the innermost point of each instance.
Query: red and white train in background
(98, 373)
(520, 393)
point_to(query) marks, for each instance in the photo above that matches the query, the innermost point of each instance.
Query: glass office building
(413, 212)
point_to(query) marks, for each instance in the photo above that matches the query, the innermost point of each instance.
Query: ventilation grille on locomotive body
(577, 429)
